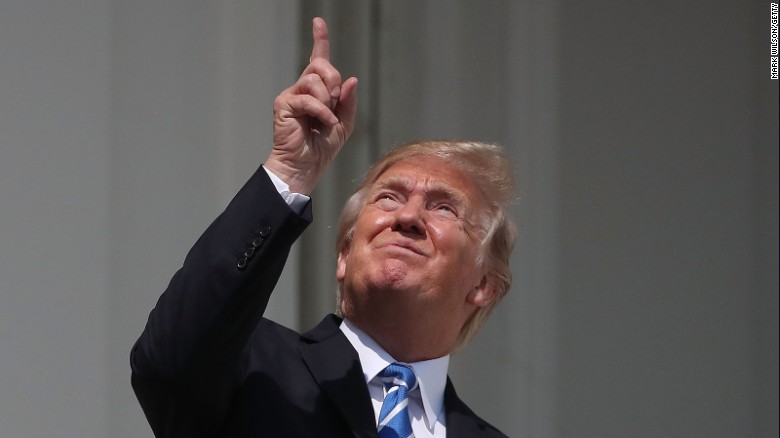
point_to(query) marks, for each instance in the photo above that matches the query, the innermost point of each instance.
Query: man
(423, 250)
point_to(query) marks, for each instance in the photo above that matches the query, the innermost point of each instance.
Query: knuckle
(317, 63)
(279, 102)
(325, 70)
(333, 76)
(310, 102)
(311, 78)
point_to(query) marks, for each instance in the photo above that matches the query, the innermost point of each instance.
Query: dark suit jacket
(208, 364)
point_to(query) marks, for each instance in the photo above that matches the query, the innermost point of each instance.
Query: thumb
(346, 110)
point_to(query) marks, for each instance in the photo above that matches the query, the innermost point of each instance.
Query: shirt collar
(431, 374)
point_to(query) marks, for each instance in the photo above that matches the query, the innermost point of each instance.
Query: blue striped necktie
(394, 416)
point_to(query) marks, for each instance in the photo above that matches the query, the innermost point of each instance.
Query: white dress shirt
(296, 201)
(426, 404)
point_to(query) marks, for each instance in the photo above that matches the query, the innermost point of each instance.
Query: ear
(483, 294)
(341, 264)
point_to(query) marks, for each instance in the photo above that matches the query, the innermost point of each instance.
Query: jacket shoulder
(462, 421)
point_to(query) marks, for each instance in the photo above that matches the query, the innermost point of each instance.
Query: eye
(446, 210)
(386, 201)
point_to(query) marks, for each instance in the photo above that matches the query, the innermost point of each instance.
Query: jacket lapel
(461, 421)
(335, 365)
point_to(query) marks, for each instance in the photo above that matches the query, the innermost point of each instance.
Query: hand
(312, 119)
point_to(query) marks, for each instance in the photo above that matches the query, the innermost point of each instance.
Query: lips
(406, 245)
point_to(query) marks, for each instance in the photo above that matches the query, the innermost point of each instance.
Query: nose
(410, 217)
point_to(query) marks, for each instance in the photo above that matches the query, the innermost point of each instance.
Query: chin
(394, 275)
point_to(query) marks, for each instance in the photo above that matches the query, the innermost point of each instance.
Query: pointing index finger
(321, 46)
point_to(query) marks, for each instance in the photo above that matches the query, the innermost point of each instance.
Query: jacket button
(265, 231)
(241, 265)
(249, 252)
(257, 241)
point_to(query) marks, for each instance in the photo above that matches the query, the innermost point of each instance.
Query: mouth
(406, 247)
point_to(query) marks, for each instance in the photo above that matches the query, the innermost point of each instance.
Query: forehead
(429, 174)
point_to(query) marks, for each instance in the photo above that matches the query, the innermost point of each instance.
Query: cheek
(369, 225)
(461, 249)
(377, 218)
(450, 236)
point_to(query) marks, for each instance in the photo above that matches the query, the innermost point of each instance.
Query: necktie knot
(397, 375)
(394, 419)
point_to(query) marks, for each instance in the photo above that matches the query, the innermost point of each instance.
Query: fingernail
(336, 91)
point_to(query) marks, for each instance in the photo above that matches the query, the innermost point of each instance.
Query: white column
(54, 218)
(192, 86)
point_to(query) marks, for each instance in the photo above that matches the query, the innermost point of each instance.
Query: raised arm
(186, 364)
(312, 119)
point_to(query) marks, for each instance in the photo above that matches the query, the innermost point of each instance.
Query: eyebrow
(434, 190)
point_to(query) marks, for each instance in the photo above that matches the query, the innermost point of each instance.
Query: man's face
(415, 246)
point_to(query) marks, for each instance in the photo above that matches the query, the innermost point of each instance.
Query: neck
(405, 341)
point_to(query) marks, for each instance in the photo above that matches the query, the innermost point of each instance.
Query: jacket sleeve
(183, 365)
